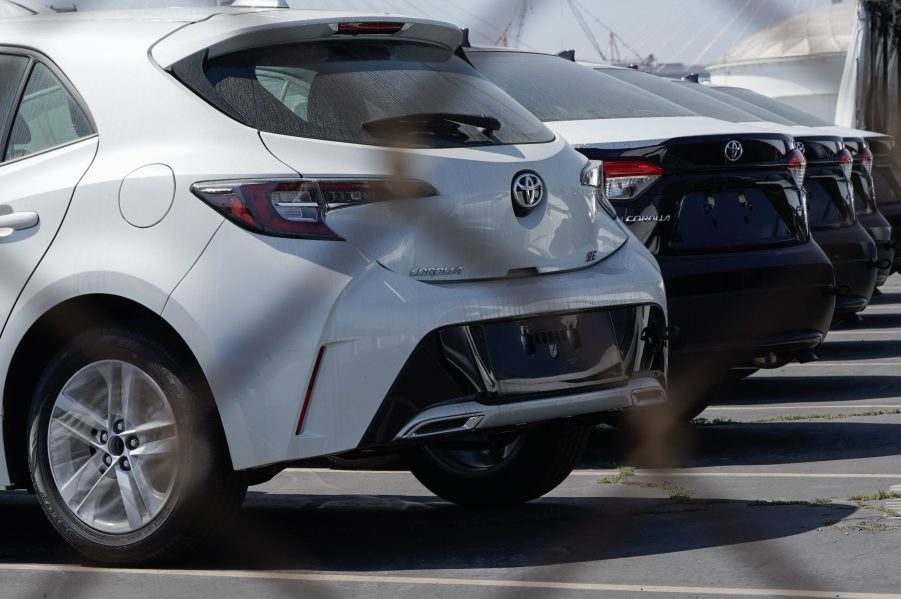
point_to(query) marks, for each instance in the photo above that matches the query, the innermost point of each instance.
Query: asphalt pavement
(785, 490)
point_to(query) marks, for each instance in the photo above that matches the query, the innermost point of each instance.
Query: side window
(12, 69)
(47, 117)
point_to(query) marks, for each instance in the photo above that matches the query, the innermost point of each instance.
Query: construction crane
(580, 18)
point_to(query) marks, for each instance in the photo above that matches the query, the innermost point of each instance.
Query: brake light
(297, 208)
(369, 28)
(797, 166)
(867, 161)
(628, 179)
(846, 161)
(593, 176)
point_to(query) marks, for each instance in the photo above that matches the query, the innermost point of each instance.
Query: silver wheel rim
(113, 447)
(470, 460)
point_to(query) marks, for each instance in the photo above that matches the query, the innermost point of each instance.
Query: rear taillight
(593, 176)
(297, 208)
(797, 166)
(628, 179)
(867, 161)
(846, 161)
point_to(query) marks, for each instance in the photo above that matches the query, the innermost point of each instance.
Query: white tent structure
(799, 61)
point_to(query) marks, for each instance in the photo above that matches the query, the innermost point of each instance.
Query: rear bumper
(853, 255)
(881, 231)
(365, 320)
(892, 213)
(746, 305)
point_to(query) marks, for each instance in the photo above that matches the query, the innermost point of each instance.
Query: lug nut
(132, 442)
(119, 426)
(126, 465)
(104, 437)
(107, 459)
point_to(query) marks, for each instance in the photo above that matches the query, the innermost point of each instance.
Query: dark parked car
(719, 204)
(833, 222)
(865, 191)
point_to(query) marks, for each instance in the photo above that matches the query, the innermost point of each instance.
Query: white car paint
(254, 310)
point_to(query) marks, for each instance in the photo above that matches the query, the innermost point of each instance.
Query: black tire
(545, 457)
(206, 492)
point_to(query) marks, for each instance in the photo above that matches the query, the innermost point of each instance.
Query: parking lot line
(460, 582)
(608, 472)
(865, 332)
(843, 364)
(847, 406)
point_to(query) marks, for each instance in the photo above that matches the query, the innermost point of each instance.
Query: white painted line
(760, 474)
(844, 364)
(865, 332)
(895, 489)
(685, 473)
(449, 582)
(852, 406)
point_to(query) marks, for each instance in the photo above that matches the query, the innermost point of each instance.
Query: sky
(687, 31)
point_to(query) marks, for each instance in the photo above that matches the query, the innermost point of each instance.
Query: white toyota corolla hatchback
(233, 239)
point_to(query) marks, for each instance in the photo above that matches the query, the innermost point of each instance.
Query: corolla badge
(734, 150)
(799, 145)
(527, 191)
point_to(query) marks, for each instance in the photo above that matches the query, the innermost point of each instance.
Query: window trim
(37, 57)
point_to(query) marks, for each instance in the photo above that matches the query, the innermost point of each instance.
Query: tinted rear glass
(791, 113)
(556, 89)
(682, 95)
(756, 111)
(331, 89)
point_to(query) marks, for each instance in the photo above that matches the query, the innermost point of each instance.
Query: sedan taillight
(846, 161)
(797, 166)
(867, 161)
(297, 208)
(628, 179)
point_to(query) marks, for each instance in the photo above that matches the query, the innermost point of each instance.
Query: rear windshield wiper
(442, 124)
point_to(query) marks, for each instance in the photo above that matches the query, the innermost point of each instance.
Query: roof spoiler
(260, 4)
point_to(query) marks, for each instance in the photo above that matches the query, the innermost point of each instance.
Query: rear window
(791, 113)
(683, 95)
(556, 89)
(380, 92)
(759, 113)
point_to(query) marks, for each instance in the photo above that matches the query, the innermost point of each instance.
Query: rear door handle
(16, 221)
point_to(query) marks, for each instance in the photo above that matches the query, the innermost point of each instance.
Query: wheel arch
(45, 338)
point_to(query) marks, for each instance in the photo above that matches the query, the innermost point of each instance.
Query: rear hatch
(424, 165)
(709, 187)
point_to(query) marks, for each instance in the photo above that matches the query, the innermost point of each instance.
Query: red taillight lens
(797, 166)
(628, 179)
(370, 28)
(867, 161)
(297, 208)
(846, 161)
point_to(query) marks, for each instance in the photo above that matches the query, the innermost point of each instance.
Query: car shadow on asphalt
(885, 297)
(872, 320)
(857, 350)
(778, 389)
(744, 443)
(398, 533)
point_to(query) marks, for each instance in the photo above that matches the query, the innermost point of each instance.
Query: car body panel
(470, 229)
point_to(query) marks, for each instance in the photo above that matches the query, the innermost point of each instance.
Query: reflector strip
(310, 387)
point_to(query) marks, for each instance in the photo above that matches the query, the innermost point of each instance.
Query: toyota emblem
(528, 192)
(734, 150)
